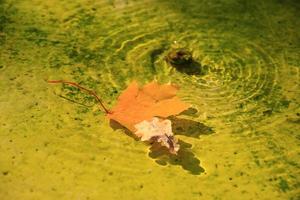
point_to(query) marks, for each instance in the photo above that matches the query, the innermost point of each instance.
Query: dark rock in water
(179, 57)
(182, 60)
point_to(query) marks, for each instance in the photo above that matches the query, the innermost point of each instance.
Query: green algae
(240, 142)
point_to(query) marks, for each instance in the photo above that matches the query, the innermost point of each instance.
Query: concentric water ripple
(239, 83)
(240, 75)
(239, 86)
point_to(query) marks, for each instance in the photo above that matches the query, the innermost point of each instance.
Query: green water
(240, 140)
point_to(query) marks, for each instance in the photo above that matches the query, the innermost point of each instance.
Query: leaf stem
(84, 89)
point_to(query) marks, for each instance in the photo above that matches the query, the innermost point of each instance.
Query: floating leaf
(142, 111)
(153, 100)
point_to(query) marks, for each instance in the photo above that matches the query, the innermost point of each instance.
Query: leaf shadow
(116, 125)
(190, 128)
(185, 157)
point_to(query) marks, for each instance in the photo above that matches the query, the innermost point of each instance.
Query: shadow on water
(192, 68)
(189, 128)
(116, 125)
(185, 157)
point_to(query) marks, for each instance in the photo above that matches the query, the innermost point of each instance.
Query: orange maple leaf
(153, 100)
(137, 109)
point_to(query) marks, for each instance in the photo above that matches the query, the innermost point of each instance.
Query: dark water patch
(5, 173)
(267, 112)
(5, 20)
(56, 61)
(85, 18)
(79, 53)
(35, 32)
(283, 185)
(36, 35)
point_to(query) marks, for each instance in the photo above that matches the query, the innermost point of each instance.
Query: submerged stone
(179, 57)
(182, 60)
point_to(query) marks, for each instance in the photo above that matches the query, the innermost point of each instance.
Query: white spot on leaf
(159, 131)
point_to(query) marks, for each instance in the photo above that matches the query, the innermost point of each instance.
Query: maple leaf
(153, 100)
(138, 110)
(141, 110)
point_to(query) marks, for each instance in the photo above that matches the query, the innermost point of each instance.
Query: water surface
(241, 140)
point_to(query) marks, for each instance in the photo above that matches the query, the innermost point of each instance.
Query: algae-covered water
(240, 140)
